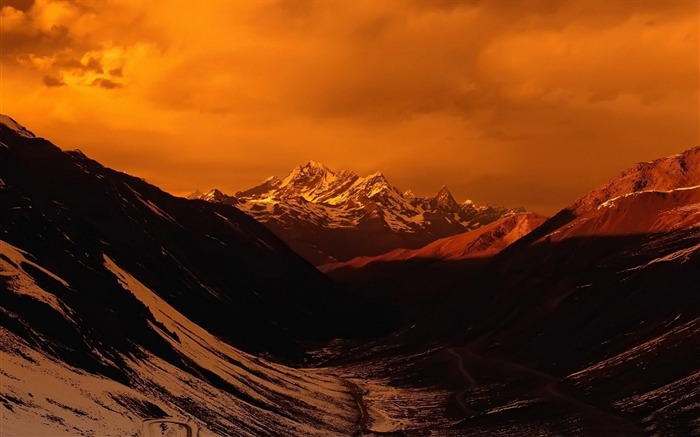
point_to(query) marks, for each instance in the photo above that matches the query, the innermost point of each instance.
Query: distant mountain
(664, 174)
(127, 310)
(410, 280)
(635, 213)
(485, 241)
(213, 196)
(656, 196)
(643, 182)
(329, 216)
(649, 198)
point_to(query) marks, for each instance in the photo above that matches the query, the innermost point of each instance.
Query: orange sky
(509, 102)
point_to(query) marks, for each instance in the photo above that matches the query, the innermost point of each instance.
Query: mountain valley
(127, 311)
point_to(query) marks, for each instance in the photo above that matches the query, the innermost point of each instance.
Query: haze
(515, 103)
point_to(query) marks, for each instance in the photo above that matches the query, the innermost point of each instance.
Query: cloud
(106, 83)
(74, 43)
(21, 5)
(506, 102)
(52, 81)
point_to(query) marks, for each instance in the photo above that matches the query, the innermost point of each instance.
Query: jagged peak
(272, 180)
(196, 194)
(314, 164)
(214, 195)
(11, 123)
(315, 167)
(666, 173)
(408, 194)
(444, 192)
(343, 174)
(215, 192)
(310, 169)
(377, 176)
(445, 198)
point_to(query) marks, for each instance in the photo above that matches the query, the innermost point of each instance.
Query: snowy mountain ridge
(10, 123)
(313, 195)
(668, 173)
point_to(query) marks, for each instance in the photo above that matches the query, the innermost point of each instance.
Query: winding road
(364, 416)
(460, 397)
(549, 390)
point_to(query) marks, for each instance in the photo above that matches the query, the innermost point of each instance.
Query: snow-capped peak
(214, 192)
(11, 124)
(196, 194)
(213, 195)
(373, 184)
(323, 212)
(663, 174)
(444, 198)
(444, 192)
(308, 174)
(314, 164)
(315, 168)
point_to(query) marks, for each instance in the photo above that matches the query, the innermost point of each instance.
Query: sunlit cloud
(529, 102)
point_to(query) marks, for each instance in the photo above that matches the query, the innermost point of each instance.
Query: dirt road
(460, 397)
(364, 417)
(549, 389)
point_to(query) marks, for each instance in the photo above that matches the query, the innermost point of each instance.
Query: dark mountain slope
(212, 262)
(409, 281)
(126, 311)
(591, 326)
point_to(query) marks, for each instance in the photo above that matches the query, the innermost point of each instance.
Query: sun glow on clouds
(529, 102)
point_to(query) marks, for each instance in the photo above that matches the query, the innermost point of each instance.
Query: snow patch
(16, 127)
(611, 202)
(21, 282)
(321, 401)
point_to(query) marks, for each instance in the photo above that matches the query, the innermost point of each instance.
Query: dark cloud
(16, 45)
(106, 83)
(94, 65)
(22, 5)
(52, 81)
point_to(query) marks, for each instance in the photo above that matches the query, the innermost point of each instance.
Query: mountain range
(587, 325)
(650, 197)
(328, 216)
(128, 311)
(482, 242)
